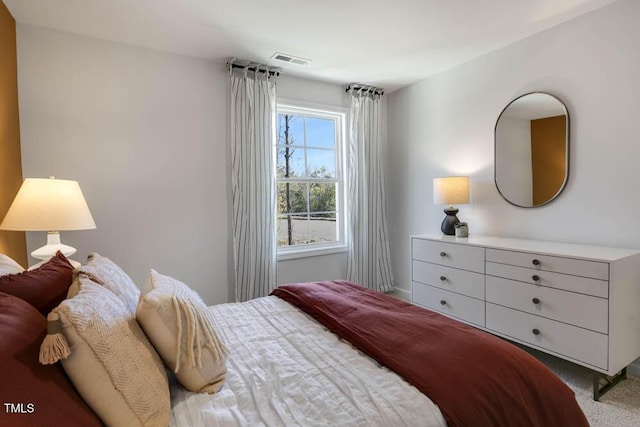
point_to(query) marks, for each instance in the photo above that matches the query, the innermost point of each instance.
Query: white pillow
(108, 358)
(180, 327)
(9, 266)
(107, 273)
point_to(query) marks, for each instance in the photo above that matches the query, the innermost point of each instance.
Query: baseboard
(634, 369)
(403, 294)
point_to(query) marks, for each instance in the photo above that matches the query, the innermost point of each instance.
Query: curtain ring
(230, 64)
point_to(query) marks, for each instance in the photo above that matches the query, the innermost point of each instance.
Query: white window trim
(305, 252)
(340, 246)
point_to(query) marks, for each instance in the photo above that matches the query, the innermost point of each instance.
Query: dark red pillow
(32, 394)
(44, 287)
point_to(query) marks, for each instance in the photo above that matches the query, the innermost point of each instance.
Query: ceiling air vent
(290, 58)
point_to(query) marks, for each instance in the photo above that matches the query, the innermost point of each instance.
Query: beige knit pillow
(108, 358)
(107, 273)
(181, 329)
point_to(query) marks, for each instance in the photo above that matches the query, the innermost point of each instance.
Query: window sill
(311, 252)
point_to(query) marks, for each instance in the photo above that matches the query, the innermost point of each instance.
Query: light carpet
(620, 407)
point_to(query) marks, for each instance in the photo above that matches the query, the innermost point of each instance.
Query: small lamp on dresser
(450, 190)
(50, 205)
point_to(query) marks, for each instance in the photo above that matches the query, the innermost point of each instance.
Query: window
(310, 179)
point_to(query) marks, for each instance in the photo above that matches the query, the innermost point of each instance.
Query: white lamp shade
(48, 205)
(451, 190)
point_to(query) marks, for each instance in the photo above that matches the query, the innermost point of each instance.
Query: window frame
(340, 115)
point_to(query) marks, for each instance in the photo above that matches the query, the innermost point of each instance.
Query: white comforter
(285, 369)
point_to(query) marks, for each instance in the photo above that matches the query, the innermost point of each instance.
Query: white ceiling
(388, 43)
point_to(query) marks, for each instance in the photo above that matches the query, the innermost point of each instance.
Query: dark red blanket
(475, 378)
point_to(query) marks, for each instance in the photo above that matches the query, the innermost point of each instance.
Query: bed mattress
(285, 369)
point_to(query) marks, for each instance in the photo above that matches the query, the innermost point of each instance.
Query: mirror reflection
(532, 150)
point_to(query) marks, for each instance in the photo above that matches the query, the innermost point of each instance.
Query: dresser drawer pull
(536, 332)
(443, 302)
(536, 301)
(443, 253)
(536, 262)
(535, 278)
(442, 278)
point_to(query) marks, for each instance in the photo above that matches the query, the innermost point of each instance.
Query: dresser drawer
(583, 285)
(451, 279)
(576, 309)
(580, 344)
(449, 254)
(576, 267)
(462, 307)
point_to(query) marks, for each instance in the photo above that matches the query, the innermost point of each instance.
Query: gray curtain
(368, 260)
(252, 116)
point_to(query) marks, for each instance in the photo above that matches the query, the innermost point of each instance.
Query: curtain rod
(364, 88)
(254, 67)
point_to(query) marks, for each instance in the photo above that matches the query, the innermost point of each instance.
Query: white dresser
(580, 303)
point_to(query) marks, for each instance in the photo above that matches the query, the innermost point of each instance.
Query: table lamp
(450, 190)
(50, 205)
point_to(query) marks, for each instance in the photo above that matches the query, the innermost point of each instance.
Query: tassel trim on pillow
(55, 346)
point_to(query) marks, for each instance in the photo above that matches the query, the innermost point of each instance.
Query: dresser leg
(603, 383)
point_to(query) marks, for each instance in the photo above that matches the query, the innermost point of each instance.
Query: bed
(287, 369)
(313, 354)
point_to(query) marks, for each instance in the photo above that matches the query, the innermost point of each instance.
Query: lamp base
(53, 245)
(449, 222)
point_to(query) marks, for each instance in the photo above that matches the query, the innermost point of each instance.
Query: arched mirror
(532, 150)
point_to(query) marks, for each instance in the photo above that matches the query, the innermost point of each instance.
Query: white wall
(444, 126)
(144, 132)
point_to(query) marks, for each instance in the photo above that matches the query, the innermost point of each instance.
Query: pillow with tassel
(180, 327)
(107, 357)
